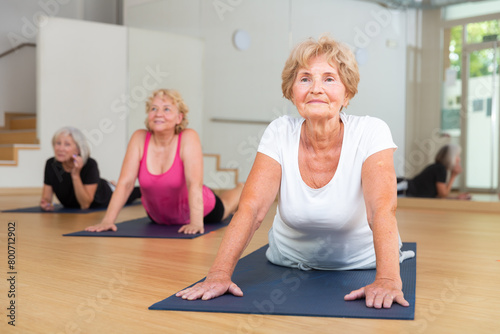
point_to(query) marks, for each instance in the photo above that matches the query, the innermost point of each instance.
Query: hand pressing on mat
(103, 226)
(46, 205)
(215, 285)
(381, 293)
(192, 228)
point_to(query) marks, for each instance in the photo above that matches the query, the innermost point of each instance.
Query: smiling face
(163, 114)
(64, 148)
(318, 91)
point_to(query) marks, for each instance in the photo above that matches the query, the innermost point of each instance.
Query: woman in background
(168, 161)
(433, 181)
(73, 176)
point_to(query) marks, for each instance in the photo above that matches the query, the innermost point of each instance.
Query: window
(465, 10)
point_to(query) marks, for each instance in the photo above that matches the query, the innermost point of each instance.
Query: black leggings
(213, 216)
(217, 212)
(136, 194)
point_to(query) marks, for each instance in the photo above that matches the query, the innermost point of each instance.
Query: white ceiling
(423, 4)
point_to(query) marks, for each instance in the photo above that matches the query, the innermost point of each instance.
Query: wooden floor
(105, 285)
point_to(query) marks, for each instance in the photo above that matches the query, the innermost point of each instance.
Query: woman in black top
(432, 181)
(73, 176)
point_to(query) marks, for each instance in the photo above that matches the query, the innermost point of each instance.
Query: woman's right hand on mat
(46, 206)
(213, 286)
(103, 226)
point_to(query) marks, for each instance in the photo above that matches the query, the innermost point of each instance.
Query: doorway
(470, 108)
(480, 108)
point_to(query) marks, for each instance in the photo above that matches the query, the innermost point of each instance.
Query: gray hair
(78, 137)
(447, 155)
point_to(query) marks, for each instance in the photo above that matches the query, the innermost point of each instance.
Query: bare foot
(231, 198)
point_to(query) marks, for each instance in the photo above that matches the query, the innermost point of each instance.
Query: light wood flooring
(105, 285)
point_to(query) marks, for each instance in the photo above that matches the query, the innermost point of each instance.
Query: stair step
(18, 137)
(9, 152)
(220, 178)
(18, 133)
(10, 115)
(23, 123)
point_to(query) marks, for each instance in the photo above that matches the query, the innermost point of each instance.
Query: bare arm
(192, 157)
(126, 182)
(444, 189)
(84, 193)
(379, 184)
(258, 194)
(47, 196)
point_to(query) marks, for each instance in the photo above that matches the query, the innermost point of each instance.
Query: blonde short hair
(78, 137)
(176, 97)
(337, 54)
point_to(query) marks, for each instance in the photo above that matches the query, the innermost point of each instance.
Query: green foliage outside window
(481, 62)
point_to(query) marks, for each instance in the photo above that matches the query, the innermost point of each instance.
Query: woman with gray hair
(335, 177)
(433, 181)
(73, 176)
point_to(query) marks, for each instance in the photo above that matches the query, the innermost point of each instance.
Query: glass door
(480, 115)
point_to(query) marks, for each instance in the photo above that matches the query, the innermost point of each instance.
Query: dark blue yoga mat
(275, 290)
(58, 208)
(145, 228)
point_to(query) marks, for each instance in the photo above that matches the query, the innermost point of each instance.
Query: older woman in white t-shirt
(336, 180)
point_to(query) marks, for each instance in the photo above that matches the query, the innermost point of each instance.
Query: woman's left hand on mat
(191, 229)
(215, 285)
(101, 227)
(381, 293)
(46, 206)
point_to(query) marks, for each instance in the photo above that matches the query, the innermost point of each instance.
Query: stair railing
(14, 49)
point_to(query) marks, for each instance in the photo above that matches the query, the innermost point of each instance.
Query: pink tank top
(165, 196)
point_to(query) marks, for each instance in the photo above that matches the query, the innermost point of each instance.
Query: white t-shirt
(324, 228)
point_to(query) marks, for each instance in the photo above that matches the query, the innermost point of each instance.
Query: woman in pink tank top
(168, 162)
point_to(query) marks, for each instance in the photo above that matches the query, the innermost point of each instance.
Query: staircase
(216, 177)
(19, 133)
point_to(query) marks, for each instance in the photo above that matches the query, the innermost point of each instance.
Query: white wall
(378, 36)
(178, 17)
(247, 84)
(82, 71)
(18, 82)
(164, 60)
(19, 23)
(19, 19)
(243, 84)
